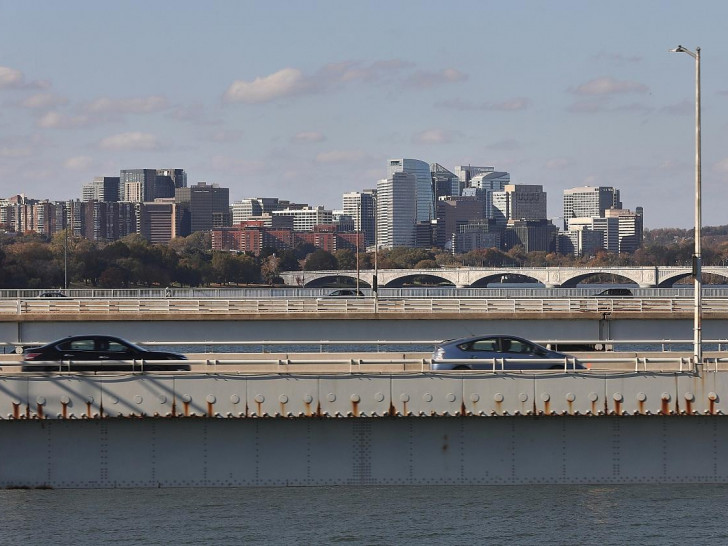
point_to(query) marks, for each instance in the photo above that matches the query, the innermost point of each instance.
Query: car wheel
(556, 367)
(461, 367)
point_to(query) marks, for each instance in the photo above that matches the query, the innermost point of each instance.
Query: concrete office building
(609, 227)
(251, 207)
(587, 201)
(397, 210)
(630, 228)
(305, 219)
(423, 177)
(158, 221)
(519, 202)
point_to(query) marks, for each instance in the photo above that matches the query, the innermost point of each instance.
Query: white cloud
(56, 120)
(284, 83)
(609, 86)
(134, 105)
(308, 136)
(340, 156)
(10, 78)
(43, 100)
(130, 141)
(78, 163)
(433, 136)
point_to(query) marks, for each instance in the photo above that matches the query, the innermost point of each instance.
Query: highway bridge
(283, 418)
(645, 276)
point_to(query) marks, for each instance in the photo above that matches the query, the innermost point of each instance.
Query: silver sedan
(500, 352)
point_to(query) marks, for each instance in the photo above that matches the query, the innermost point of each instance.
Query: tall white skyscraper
(421, 171)
(397, 210)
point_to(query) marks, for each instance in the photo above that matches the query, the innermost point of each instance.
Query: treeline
(32, 261)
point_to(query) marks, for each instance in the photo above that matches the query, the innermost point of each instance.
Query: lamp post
(697, 259)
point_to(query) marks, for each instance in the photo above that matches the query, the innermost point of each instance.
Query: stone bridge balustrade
(645, 277)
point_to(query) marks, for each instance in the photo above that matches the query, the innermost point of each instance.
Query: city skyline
(543, 91)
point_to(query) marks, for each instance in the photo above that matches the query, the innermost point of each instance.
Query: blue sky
(306, 100)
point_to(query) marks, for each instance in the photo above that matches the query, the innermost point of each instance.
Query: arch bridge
(461, 277)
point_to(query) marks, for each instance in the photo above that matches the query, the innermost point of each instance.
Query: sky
(305, 100)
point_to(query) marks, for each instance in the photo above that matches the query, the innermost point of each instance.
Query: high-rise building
(465, 173)
(252, 207)
(454, 212)
(397, 210)
(444, 183)
(630, 228)
(157, 221)
(487, 183)
(421, 171)
(533, 235)
(589, 201)
(206, 206)
(305, 219)
(519, 202)
(103, 188)
(609, 227)
(146, 185)
(361, 207)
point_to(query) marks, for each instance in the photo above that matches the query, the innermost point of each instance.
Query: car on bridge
(96, 353)
(501, 352)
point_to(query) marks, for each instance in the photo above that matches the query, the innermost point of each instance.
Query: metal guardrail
(391, 365)
(464, 306)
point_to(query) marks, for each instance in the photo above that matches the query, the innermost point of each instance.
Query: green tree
(320, 260)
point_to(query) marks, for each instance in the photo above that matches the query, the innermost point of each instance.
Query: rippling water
(646, 514)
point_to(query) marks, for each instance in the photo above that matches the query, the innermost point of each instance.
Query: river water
(563, 515)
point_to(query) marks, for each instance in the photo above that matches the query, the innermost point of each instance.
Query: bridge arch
(335, 281)
(483, 282)
(615, 279)
(419, 279)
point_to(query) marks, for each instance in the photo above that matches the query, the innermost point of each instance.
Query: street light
(697, 260)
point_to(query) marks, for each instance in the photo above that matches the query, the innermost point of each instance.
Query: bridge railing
(289, 306)
(306, 364)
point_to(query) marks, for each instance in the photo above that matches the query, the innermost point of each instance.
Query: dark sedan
(95, 353)
(499, 351)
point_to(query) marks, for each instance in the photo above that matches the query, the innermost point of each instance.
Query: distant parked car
(346, 293)
(54, 294)
(486, 348)
(615, 292)
(94, 353)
